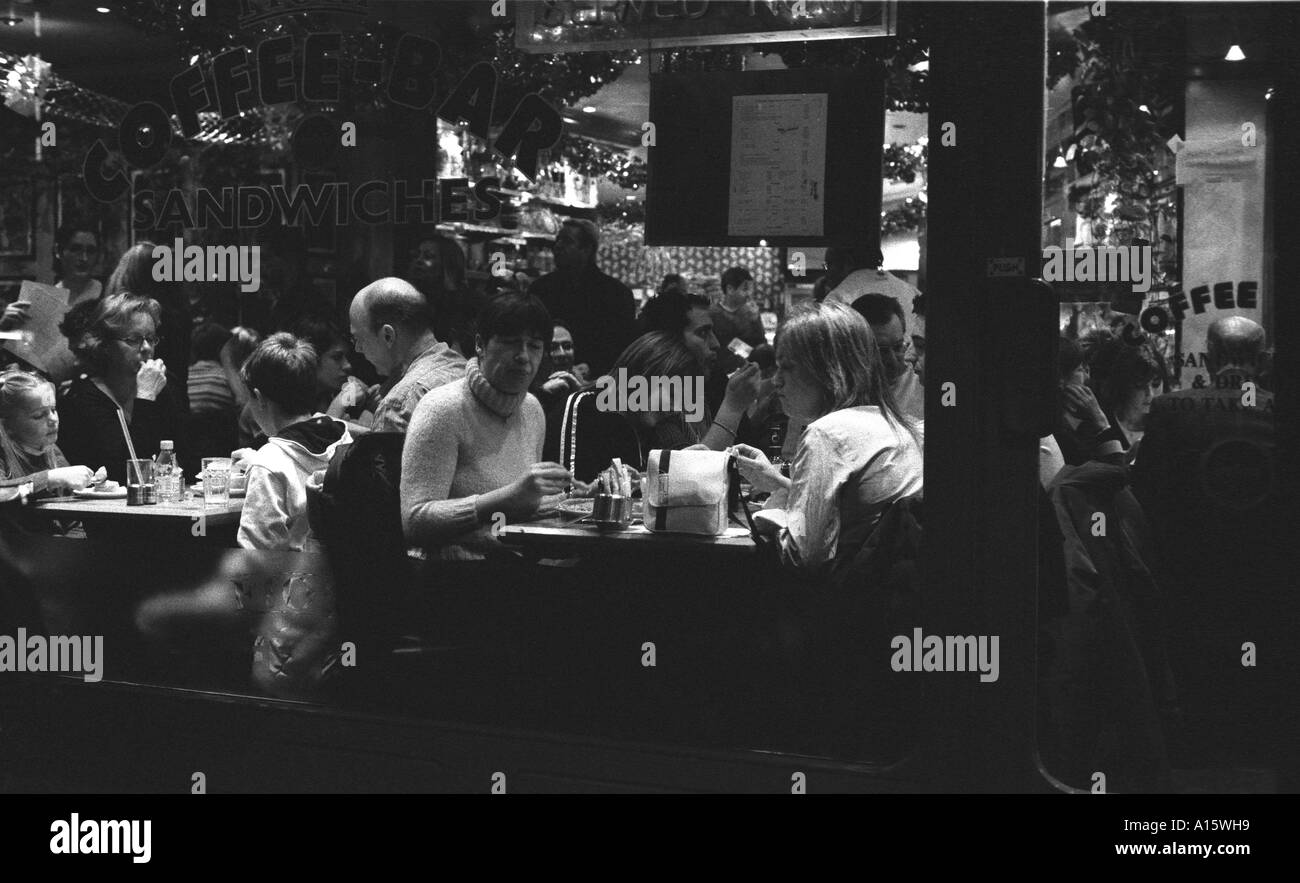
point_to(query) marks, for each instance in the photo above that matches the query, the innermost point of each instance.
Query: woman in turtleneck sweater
(473, 447)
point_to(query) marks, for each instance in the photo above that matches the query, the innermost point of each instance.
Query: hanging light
(1059, 162)
(1235, 53)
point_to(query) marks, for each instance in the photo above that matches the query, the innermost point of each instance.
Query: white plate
(88, 494)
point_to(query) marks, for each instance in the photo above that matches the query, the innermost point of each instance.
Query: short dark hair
(67, 231)
(1118, 368)
(283, 368)
(322, 333)
(878, 308)
(670, 312)
(735, 277)
(512, 313)
(918, 305)
(208, 340)
(585, 231)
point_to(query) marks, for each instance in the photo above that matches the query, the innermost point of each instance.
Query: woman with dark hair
(1125, 378)
(134, 275)
(114, 340)
(332, 347)
(590, 437)
(859, 453)
(1083, 431)
(474, 446)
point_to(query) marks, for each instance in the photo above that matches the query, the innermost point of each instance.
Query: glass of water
(216, 480)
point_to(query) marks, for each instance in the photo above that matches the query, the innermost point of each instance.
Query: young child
(30, 461)
(29, 427)
(281, 377)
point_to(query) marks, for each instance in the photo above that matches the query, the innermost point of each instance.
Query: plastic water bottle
(167, 475)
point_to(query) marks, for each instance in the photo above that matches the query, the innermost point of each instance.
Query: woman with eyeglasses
(134, 275)
(116, 342)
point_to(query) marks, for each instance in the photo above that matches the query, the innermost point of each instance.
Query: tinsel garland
(595, 161)
(907, 217)
(904, 163)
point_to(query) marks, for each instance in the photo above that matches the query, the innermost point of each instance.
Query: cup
(216, 480)
(140, 483)
(613, 511)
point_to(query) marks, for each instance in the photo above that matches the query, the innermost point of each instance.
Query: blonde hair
(15, 386)
(833, 343)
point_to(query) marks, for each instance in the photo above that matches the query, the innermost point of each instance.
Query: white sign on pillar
(1222, 175)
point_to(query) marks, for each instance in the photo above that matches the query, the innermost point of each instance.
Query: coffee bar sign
(598, 25)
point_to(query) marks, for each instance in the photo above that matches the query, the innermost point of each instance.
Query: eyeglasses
(86, 250)
(135, 341)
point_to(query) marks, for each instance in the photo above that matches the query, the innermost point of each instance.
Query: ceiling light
(1235, 53)
(1144, 108)
(1059, 162)
(1268, 94)
(12, 20)
(589, 109)
(103, 10)
(570, 120)
(920, 67)
(762, 243)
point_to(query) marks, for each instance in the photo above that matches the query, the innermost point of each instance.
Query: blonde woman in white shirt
(859, 452)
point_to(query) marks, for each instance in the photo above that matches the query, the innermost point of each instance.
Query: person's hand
(372, 399)
(582, 371)
(742, 386)
(150, 379)
(238, 457)
(1082, 404)
(541, 480)
(70, 478)
(561, 382)
(756, 469)
(15, 315)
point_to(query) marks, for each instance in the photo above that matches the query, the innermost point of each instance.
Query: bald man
(1205, 474)
(391, 326)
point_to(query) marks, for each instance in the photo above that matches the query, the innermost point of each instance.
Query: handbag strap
(733, 477)
(661, 513)
(569, 432)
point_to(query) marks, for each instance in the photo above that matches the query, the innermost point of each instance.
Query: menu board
(774, 157)
(778, 165)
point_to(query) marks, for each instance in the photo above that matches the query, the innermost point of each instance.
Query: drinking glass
(140, 483)
(216, 480)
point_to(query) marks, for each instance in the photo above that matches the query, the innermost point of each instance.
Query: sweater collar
(502, 404)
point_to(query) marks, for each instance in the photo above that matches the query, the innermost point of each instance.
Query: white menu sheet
(778, 165)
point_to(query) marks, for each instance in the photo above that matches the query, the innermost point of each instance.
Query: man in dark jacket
(598, 309)
(1206, 475)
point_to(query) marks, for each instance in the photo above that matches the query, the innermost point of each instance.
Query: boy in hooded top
(281, 377)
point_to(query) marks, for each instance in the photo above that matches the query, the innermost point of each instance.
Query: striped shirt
(208, 388)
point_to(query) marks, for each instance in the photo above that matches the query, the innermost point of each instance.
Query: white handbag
(686, 492)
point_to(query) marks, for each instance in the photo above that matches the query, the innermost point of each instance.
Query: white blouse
(848, 467)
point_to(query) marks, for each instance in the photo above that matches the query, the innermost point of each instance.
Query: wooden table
(559, 536)
(116, 511)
